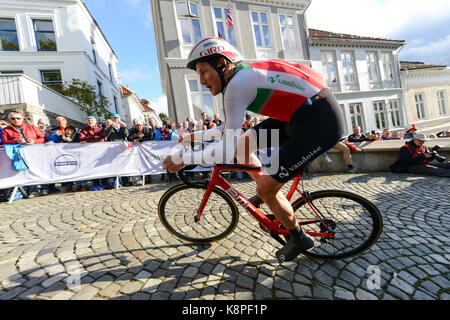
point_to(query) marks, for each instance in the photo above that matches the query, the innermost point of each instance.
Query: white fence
(18, 88)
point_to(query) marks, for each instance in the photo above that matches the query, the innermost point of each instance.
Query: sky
(425, 26)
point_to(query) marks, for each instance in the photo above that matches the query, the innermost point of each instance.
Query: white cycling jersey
(273, 88)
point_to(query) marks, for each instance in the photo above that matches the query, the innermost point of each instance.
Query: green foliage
(8, 45)
(86, 96)
(163, 116)
(49, 45)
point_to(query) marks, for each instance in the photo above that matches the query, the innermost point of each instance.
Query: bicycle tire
(344, 230)
(173, 221)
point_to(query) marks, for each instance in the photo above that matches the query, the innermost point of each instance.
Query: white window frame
(293, 27)
(374, 83)
(199, 93)
(263, 52)
(394, 113)
(442, 102)
(421, 112)
(355, 115)
(186, 46)
(388, 66)
(380, 114)
(324, 55)
(349, 85)
(222, 6)
(344, 116)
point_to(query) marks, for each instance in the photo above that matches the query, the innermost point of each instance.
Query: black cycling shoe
(256, 201)
(295, 246)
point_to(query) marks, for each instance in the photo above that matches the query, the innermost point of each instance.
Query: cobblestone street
(110, 245)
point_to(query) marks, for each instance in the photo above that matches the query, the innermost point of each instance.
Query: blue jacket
(160, 136)
(13, 152)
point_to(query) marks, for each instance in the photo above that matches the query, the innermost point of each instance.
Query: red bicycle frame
(273, 226)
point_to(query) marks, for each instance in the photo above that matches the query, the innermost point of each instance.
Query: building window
(348, 67)
(329, 68)
(52, 79)
(45, 35)
(372, 64)
(344, 117)
(388, 68)
(380, 116)
(356, 115)
(261, 29)
(110, 72)
(187, 12)
(8, 35)
(201, 99)
(116, 106)
(420, 106)
(395, 113)
(94, 56)
(222, 26)
(288, 31)
(12, 72)
(442, 102)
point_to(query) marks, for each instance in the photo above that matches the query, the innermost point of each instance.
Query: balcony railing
(19, 88)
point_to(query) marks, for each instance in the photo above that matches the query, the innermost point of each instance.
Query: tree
(163, 116)
(92, 104)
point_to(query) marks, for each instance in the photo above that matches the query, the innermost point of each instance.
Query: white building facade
(262, 29)
(364, 75)
(54, 41)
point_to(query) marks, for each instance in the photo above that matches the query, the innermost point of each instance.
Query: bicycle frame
(273, 226)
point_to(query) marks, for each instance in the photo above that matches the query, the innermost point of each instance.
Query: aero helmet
(212, 47)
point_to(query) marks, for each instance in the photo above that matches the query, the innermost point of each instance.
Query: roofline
(95, 21)
(350, 37)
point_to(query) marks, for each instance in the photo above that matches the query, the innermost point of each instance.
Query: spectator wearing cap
(416, 158)
(186, 129)
(115, 129)
(139, 133)
(92, 132)
(70, 135)
(410, 130)
(357, 136)
(166, 133)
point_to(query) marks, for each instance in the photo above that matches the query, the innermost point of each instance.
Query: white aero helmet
(212, 47)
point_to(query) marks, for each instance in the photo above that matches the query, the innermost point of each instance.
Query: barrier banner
(64, 162)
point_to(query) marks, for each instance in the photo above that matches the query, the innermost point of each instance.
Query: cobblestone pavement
(110, 245)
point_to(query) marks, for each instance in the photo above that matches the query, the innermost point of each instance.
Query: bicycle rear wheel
(178, 207)
(355, 221)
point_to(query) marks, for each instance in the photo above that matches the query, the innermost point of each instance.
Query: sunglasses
(13, 118)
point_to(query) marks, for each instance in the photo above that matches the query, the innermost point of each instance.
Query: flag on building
(229, 17)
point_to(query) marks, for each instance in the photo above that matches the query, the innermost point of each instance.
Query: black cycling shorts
(313, 129)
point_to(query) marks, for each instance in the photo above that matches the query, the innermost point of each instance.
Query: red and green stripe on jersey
(282, 87)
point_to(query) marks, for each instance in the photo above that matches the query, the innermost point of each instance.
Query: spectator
(166, 132)
(357, 136)
(385, 135)
(198, 125)
(61, 125)
(139, 133)
(395, 135)
(22, 133)
(70, 135)
(345, 148)
(186, 129)
(410, 130)
(152, 128)
(415, 158)
(3, 124)
(92, 132)
(51, 135)
(205, 120)
(217, 120)
(246, 124)
(433, 136)
(191, 123)
(115, 129)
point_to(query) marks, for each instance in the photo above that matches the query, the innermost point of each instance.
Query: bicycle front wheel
(355, 222)
(178, 207)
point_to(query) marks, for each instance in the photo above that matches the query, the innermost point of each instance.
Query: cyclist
(298, 104)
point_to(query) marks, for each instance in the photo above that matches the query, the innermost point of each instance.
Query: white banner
(64, 162)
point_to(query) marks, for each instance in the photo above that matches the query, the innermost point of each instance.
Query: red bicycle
(344, 224)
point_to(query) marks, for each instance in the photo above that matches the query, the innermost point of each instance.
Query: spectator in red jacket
(19, 132)
(92, 132)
